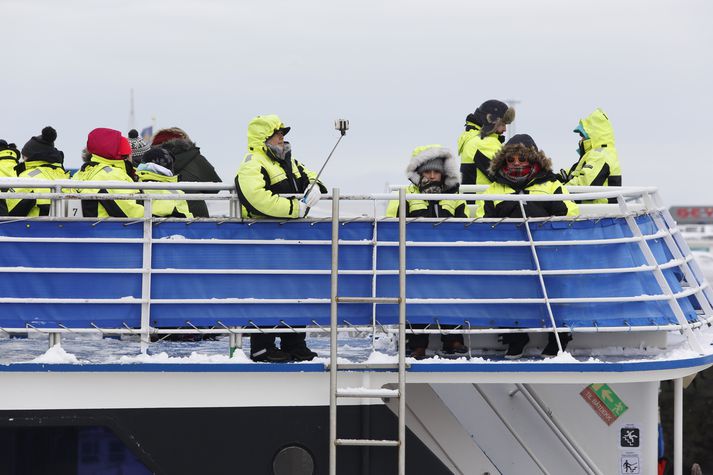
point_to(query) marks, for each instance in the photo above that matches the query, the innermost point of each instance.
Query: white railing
(632, 202)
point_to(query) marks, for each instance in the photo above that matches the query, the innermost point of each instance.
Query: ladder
(335, 392)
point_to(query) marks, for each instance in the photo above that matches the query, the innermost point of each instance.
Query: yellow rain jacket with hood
(432, 157)
(262, 175)
(479, 143)
(539, 181)
(598, 164)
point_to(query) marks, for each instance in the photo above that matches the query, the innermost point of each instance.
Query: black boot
(270, 355)
(301, 353)
(516, 345)
(551, 349)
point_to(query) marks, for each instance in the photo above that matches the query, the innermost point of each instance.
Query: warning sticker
(629, 464)
(629, 437)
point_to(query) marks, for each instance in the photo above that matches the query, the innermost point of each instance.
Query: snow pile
(377, 357)
(164, 358)
(56, 355)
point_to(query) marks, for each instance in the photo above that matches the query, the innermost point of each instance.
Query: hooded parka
(106, 164)
(165, 208)
(191, 165)
(451, 183)
(544, 182)
(38, 170)
(262, 177)
(599, 161)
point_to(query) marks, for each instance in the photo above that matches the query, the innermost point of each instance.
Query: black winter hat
(489, 113)
(11, 147)
(436, 164)
(159, 156)
(41, 143)
(523, 139)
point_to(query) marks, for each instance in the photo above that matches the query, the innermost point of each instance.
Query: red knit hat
(124, 147)
(164, 135)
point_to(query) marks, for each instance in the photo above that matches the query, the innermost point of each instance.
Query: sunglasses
(517, 158)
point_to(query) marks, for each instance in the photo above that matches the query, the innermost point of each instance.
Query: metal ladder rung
(393, 300)
(365, 392)
(367, 442)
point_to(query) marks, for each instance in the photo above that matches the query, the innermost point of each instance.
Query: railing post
(533, 248)
(55, 338)
(333, 322)
(235, 341)
(146, 277)
(678, 426)
(660, 277)
(234, 204)
(402, 331)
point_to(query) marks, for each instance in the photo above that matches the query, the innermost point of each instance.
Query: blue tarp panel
(223, 257)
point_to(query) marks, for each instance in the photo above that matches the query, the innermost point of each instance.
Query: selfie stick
(342, 126)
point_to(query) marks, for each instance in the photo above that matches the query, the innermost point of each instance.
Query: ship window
(293, 460)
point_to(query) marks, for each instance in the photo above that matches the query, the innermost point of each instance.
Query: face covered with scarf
(519, 169)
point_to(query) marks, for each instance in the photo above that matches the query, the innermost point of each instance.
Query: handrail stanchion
(673, 247)
(660, 278)
(402, 331)
(539, 275)
(678, 426)
(146, 277)
(333, 321)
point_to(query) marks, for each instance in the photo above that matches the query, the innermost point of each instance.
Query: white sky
(405, 73)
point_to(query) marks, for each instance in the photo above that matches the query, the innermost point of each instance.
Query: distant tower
(132, 119)
(511, 128)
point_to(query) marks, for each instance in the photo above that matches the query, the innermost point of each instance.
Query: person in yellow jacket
(482, 139)
(521, 168)
(598, 163)
(40, 161)
(109, 152)
(267, 170)
(157, 166)
(9, 157)
(432, 169)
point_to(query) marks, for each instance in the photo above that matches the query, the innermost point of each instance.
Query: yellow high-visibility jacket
(475, 154)
(599, 164)
(38, 170)
(104, 169)
(260, 178)
(165, 208)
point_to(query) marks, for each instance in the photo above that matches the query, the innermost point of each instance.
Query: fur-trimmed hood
(176, 146)
(515, 146)
(421, 155)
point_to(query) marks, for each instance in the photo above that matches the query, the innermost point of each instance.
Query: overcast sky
(405, 73)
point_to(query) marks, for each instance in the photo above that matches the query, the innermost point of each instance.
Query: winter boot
(270, 355)
(516, 345)
(551, 349)
(301, 353)
(455, 347)
(418, 353)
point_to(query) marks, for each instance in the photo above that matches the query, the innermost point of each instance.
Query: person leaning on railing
(157, 166)
(432, 169)
(109, 151)
(267, 170)
(521, 168)
(40, 161)
(598, 163)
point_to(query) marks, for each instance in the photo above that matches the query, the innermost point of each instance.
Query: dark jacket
(190, 165)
